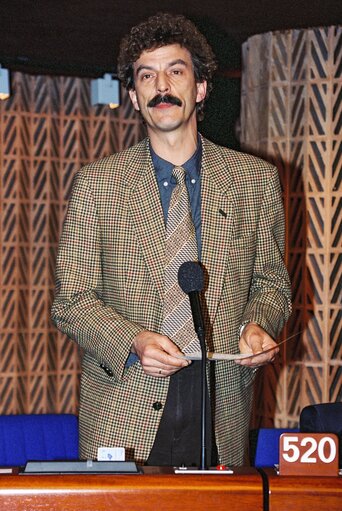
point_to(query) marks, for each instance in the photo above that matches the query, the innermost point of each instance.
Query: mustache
(165, 98)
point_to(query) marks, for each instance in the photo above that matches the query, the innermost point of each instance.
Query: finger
(257, 361)
(164, 352)
(173, 355)
(153, 368)
(176, 361)
(250, 346)
(256, 346)
(160, 360)
(162, 372)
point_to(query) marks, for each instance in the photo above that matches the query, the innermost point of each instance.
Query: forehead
(163, 56)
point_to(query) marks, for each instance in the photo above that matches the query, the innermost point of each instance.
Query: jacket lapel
(217, 213)
(217, 223)
(146, 213)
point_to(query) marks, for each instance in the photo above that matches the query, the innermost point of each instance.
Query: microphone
(191, 282)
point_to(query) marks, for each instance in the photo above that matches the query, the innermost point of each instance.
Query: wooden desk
(304, 493)
(155, 490)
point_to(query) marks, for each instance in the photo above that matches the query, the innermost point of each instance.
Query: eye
(145, 76)
(177, 72)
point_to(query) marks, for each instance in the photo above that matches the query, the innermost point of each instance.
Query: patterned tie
(181, 246)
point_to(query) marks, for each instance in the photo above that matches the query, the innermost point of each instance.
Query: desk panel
(156, 489)
(304, 493)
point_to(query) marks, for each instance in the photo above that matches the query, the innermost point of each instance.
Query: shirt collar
(164, 168)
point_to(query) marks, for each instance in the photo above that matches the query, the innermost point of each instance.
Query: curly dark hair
(161, 30)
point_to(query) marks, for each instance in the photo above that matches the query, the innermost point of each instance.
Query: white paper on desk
(111, 454)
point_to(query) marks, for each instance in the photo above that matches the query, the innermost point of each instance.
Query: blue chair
(323, 418)
(267, 446)
(38, 437)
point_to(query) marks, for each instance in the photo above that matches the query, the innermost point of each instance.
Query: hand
(157, 354)
(255, 340)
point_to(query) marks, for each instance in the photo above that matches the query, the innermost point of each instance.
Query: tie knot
(179, 174)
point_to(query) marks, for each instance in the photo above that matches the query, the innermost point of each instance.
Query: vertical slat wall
(48, 130)
(292, 115)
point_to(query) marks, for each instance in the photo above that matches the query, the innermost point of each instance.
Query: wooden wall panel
(48, 130)
(291, 114)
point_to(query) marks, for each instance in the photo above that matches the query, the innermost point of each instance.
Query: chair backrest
(323, 418)
(37, 437)
(267, 446)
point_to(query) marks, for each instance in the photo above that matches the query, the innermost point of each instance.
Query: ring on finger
(160, 371)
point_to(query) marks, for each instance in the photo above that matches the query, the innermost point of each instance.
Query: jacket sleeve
(77, 309)
(269, 302)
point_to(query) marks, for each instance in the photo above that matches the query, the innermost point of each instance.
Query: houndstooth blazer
(110, 285)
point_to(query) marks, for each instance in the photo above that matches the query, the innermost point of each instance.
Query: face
(167, 74)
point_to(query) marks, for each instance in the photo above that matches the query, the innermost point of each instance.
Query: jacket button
(107, 370)
(157, 406)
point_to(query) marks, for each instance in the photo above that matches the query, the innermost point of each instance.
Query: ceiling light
(105, 91)
(4, 83)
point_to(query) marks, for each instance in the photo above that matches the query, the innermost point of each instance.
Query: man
(136, 390)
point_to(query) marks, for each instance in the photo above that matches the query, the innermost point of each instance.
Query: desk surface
(304, 493)
(157, 489)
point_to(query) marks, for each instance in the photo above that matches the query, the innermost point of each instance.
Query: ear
(133, 95)
(201, 91)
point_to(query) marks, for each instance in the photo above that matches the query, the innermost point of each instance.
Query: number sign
(314, 454)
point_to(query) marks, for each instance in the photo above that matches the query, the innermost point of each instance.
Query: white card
(214, 356)
(197, 355)
(111, 454)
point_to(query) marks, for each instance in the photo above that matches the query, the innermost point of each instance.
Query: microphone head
(190, 277)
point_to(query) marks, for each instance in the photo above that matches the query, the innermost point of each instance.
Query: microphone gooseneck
(191, 281)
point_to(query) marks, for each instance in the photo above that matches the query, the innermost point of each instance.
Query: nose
(162, 84)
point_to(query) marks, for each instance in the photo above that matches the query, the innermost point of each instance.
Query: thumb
(255, 344)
